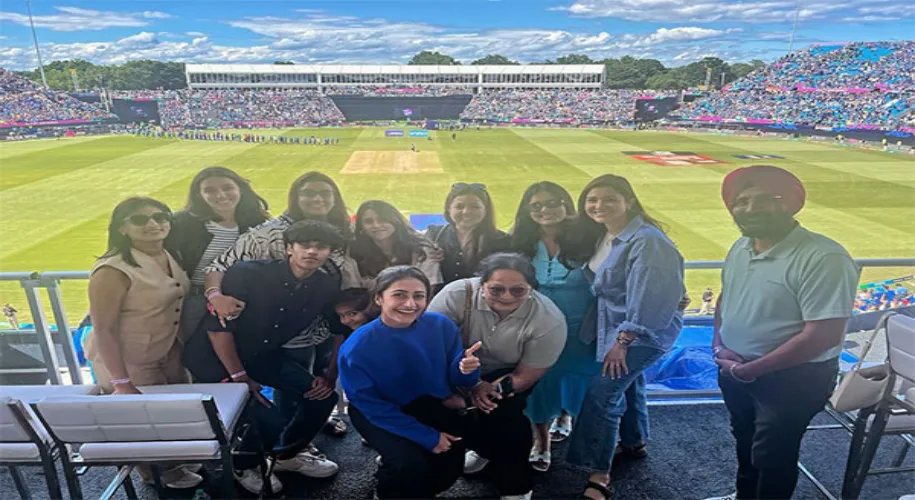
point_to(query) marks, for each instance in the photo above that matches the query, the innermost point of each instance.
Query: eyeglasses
(515, 291)
(314, 193)
(142, 220)
(760, 200)
(457, 186)
(549, 205)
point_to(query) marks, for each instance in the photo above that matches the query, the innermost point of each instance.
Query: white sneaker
(309, 465)
(730, 496)
(526, 496)
(474, 463)
(250, 479)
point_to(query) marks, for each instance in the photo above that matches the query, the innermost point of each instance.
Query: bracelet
(733, 373)
(210, 289)
(717, 349)
(120, 381)
(215, 293)
(238, 375)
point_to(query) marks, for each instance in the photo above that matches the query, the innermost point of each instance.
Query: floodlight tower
(44, 79)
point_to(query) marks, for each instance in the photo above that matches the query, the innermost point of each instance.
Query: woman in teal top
(546, 210)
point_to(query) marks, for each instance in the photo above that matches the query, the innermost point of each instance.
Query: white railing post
(42, 330)
(63, 330)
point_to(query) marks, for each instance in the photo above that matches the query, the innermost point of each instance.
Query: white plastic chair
(167, 425)
(894, 415)
(23, 440)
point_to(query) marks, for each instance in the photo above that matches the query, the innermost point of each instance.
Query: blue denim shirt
(639, 287)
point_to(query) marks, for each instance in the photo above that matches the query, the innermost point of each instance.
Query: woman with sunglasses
(543, 223)
(384, 238)
(521, 334)
(221, 206)
(638, 280)
(470, 234)
(136, 289)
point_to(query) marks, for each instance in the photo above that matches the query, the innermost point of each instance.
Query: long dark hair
(338, 215)
(392, 275)
(487, 230)
(251, 209)
(589, 233)
(407, 241)
(525, 232)
(120, 244)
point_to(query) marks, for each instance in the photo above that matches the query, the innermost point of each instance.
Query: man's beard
(764, 226)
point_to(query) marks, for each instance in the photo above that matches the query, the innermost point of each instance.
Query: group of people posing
(465, 347)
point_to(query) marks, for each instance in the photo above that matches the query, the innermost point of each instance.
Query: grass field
(56, 195)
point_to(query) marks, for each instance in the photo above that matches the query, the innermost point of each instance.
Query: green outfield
(56, 195)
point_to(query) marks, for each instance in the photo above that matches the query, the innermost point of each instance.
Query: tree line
(623, 73)
(628, 72)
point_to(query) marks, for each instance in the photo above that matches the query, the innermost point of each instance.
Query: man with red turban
(779, 326)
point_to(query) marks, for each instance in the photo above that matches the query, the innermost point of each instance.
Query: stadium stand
(556, 105)
(23, 101)
(862, 65)
(194, 108)
(866, 84)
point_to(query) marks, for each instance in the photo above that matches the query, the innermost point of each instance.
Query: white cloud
(322, 38)
(752, 11)
(77, 19)
(152, 14)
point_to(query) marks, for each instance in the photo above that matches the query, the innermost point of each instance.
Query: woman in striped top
(221, 206)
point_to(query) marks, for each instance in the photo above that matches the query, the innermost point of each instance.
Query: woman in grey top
(521, 334)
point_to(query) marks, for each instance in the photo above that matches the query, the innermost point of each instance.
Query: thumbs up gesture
(470, 361)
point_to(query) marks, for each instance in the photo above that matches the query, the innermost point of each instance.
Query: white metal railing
(33, 282)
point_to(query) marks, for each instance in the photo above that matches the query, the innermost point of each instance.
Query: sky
(676, 32)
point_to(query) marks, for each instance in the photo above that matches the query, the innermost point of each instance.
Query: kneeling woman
(400, 372)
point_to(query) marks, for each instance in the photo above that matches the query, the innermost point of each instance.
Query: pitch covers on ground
(672, 158)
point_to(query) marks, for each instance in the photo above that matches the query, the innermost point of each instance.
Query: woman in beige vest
(136, 291)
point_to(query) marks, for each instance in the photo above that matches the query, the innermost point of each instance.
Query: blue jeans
(612, 407)
(304, 357)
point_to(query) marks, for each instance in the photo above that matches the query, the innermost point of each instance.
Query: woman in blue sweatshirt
(401, 372)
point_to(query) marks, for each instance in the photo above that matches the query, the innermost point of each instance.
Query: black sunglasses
(549, 204)
(515, 291)
(142, 220)
(457, 186)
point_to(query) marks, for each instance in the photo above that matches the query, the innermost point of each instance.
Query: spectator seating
(24, 101)
(24, 442)
(166, 425)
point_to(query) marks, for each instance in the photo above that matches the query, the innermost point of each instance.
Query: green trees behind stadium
(624, 73)
(133, 75)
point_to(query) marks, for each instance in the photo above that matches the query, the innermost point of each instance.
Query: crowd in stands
(855, 65)
(24, 101)
(832, 109)
(882, 297)
(862, 83)
(189, 108)
(556, 105)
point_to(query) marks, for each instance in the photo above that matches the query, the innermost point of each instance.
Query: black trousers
(768, 419)
(283, 435)
(504, 436)
(409, 470)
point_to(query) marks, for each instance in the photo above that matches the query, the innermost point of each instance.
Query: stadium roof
(396, 69)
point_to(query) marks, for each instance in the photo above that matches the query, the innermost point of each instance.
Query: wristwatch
(623, 340)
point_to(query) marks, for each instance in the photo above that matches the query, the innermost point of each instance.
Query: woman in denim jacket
(638, 281)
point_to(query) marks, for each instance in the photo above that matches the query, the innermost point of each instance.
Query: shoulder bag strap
(468, 306)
